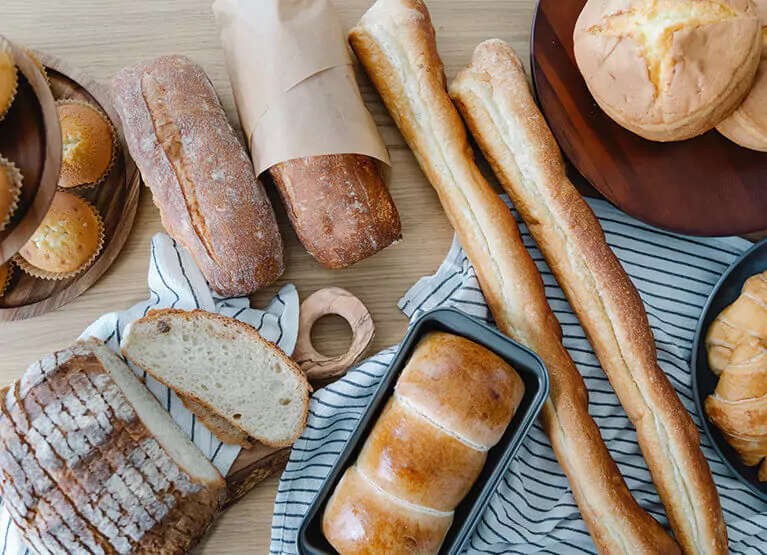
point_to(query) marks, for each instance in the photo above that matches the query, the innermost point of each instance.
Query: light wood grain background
(103, 36)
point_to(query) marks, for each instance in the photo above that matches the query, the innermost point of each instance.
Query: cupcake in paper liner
(38, 63)
(67, 241)
(6, 270)
(89, 143)
(10, 191)
(9, 78)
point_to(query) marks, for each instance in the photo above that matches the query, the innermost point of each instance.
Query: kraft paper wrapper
(293, 81)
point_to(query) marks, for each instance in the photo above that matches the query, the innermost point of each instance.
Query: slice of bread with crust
(239, 384)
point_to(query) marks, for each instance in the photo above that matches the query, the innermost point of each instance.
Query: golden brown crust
(339, 206)
(217, 424)
(495, 99)
(89, 144)
(668, 70)
(202, 179)
(508, 276)
(66, 242)
(236, 327)
(9, 78)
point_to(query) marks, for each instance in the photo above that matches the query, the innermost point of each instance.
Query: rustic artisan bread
(396, 43)
(200, 175)
(738, 406)
(747, 316)
(668, 70)
(452, 403)
(339, 206)
(495, 100)
(66, 242)
(88, 143)
(225, 366)
(91, 463)
(747, 126)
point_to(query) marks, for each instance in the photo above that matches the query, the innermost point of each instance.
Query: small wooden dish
(703, 186)
(116, 199)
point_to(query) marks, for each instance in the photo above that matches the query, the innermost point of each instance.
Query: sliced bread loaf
(223, 367)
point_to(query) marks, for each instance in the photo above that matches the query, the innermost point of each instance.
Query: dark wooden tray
(704, 186)
(116, 199)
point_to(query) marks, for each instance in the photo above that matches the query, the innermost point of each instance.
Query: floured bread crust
(668, 70)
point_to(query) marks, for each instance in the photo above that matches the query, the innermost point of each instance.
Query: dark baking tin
(531, 369)
(726, 290)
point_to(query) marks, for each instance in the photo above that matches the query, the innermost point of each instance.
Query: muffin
(668, 70)
(66, 242)
(10, 191)
(38, 63)
(9, 79)
(5, 277)
(88, 144)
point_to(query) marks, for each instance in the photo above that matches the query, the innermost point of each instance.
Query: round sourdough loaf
(668, 70)
(747, 126)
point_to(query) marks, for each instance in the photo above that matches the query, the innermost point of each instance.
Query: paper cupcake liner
(34, 271)
(7, 281)
(16, 180)
(112, 131)
(5, 46)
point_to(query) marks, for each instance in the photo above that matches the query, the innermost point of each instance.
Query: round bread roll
(668, 70)
(747, 126)
(67, 241)
(88, 144)
(9, 79)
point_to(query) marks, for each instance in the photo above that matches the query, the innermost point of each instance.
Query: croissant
(738, 406)
(745, 317)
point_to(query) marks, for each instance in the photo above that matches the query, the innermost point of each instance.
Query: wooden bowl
(30, 136)
(116, 199)
(703, 186)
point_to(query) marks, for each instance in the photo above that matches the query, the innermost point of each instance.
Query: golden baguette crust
(495, 99)
(668, 70)
(396, 44)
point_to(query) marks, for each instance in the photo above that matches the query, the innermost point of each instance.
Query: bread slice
(225, 366)
(91, 463)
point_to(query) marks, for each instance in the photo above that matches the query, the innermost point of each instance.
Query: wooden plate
(703, 186)
(36, 152)
(116, 201)
(704, 381)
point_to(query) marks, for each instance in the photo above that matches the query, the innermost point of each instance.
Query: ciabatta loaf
(91, 463)
(225, 366)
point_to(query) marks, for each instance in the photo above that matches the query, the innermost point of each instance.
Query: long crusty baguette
(396, 43)
(495, 99)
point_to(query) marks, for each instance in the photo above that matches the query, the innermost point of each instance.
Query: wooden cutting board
(703, 186)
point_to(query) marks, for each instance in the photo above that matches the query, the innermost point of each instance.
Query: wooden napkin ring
(332, 300)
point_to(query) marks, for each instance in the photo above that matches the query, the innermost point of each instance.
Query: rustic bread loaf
(200, 175)
(226, 368)
(452, 403)
(339, 206)
(91, 463)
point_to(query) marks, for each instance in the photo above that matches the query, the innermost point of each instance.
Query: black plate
(726, 290)
(531, 369)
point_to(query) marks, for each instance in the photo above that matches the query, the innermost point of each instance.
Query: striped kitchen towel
(533, 510)
(175, 281)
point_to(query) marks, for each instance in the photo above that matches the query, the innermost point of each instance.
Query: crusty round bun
(10, 190)
(9, 79)
(668, 70)
(88, 144)
(68, 239)
(747, 126)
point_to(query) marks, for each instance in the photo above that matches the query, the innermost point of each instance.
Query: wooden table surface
(102, 37)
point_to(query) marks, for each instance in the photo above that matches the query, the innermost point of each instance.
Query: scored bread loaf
(396, 43)
(242, 385)
(452, 403)
(91, 463)
(495, 99)
(200, 175)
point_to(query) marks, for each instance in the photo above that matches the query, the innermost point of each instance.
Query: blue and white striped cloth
(533, 510)
(175, 281)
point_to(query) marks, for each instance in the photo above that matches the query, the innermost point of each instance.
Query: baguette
(496, 102)
(200, 175)
(396, 43)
